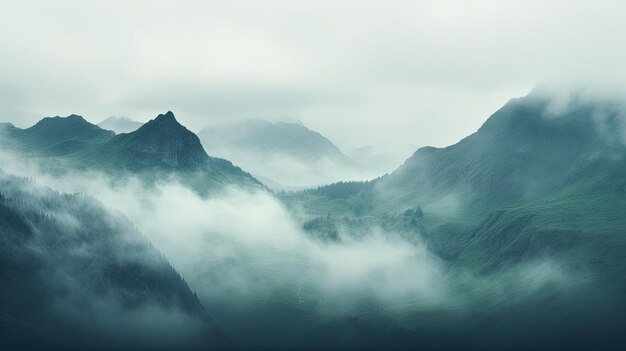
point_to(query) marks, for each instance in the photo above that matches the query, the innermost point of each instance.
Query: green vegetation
(525, 186)
(525, 216)
(71, 274)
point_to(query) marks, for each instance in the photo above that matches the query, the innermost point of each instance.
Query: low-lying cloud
(240, 248)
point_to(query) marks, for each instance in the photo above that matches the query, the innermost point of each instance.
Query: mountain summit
(162, 142)
(53, 130)
(523, 151)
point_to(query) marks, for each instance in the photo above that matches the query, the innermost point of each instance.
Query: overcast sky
(360, 72)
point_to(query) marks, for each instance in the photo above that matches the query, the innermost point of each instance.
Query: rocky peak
(165, 142)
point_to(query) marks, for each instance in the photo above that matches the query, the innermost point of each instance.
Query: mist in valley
(258, 272)
(312, 175)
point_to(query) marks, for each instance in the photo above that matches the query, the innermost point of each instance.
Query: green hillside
(73, 275)
(531, 194)
(526, 185)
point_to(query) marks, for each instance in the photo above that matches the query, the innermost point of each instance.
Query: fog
(512, 238)
(248, 245)
(607, 108)
(65, 268)
(239, 248)
(360, 72)
(281, 171)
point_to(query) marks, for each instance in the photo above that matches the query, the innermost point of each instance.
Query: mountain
(76, 276)
(159, 148)
(54, 130)
(284, 153)
(535, 186)
(120, 124)
(523, 219)
(524, 171)
(521, 153)
(162, 143)
(264, 138)
(525, 185)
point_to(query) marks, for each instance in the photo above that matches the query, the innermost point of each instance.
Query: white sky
(360, 72)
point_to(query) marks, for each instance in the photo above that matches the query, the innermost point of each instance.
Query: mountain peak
(58, 119)
(76, 117)
(166, 117)
(163, 141)
(52, 130)
(165, 123)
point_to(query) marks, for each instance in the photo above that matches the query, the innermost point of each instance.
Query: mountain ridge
(525, 177)
(261, 136)
(288, 153)
(162, 145)
(52, 130)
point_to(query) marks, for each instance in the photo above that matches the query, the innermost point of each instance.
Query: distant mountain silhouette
(265, 138)
(120, 124)
(53, 130)
(161, 145)
(284, 152)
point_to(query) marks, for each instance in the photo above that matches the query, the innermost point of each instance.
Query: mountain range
(160, 148)
(286, 139)
(531, 185)
(521, 159)
(535, 192)
(287, 155)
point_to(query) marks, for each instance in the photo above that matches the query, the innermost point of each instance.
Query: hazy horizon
(360, 73)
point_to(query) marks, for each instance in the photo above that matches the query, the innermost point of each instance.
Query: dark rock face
(163, 142)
